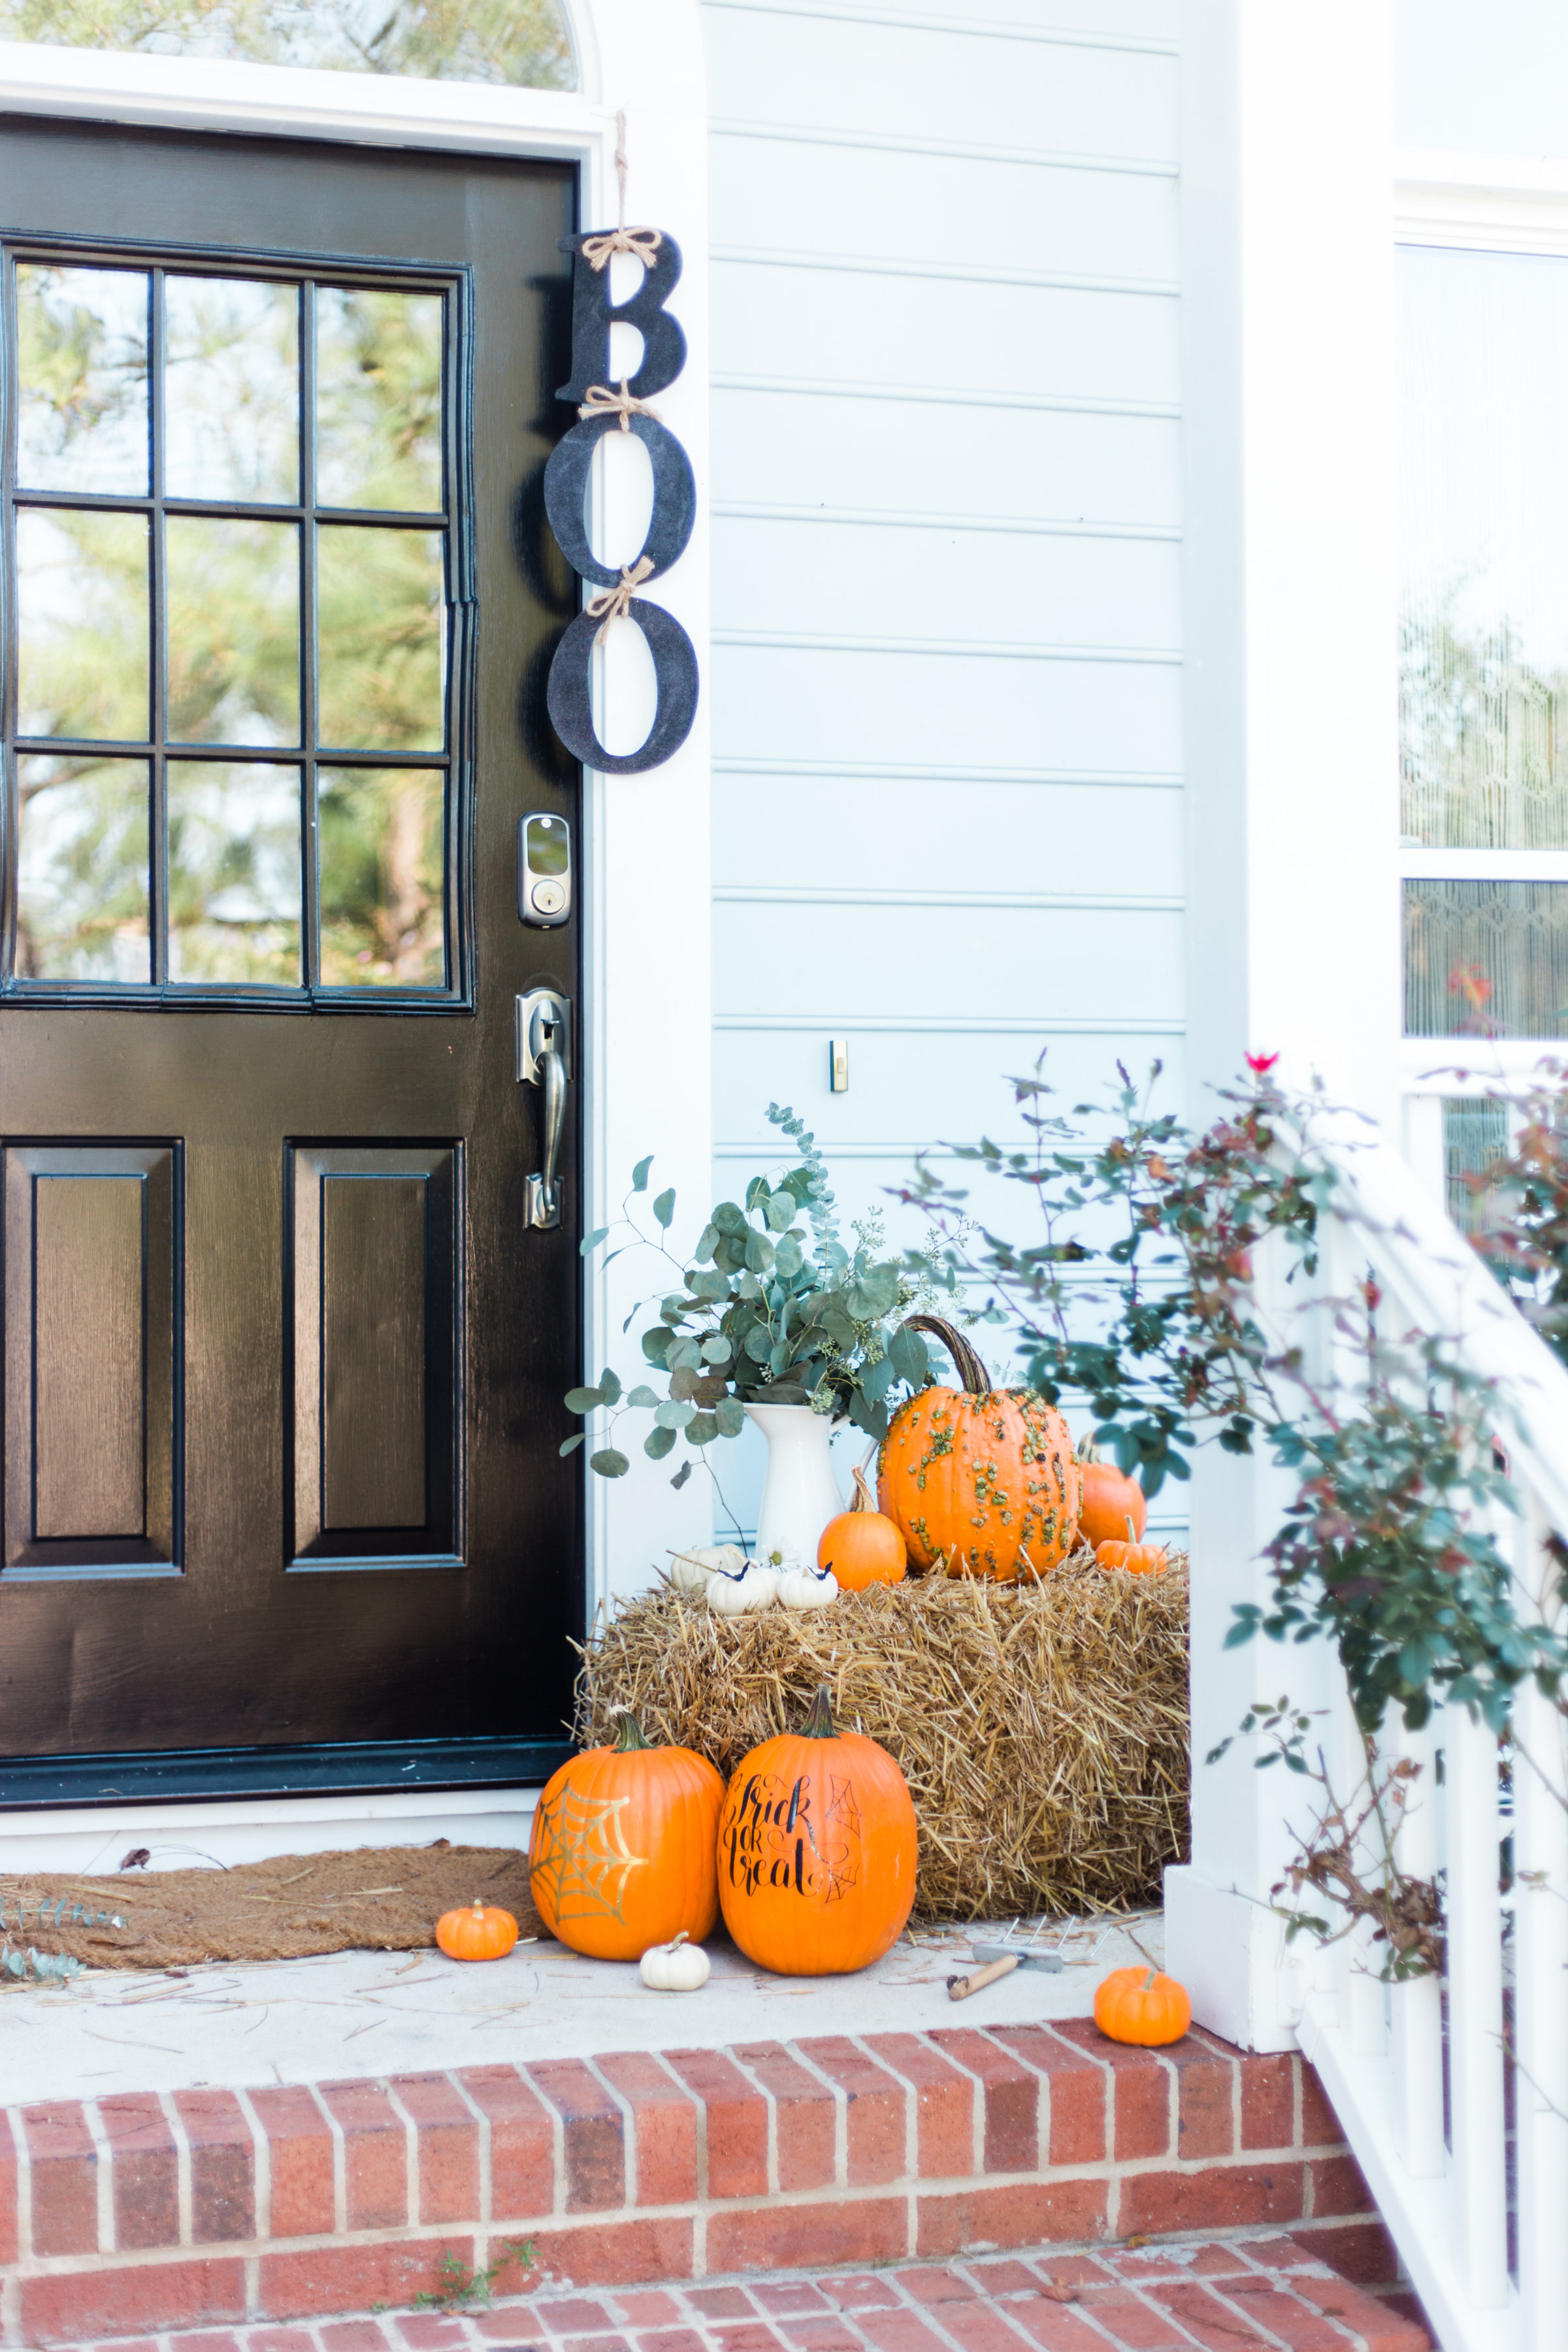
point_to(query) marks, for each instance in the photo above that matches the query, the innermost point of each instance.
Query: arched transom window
(524, 42)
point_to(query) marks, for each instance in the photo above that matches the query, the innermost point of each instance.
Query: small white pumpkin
(689, 1570)
(680, 1967)
(808, 1588)
(735, 1595)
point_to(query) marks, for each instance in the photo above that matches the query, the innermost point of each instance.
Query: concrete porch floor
(371, 2014)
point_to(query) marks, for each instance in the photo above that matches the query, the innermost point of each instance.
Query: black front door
(282, 1357)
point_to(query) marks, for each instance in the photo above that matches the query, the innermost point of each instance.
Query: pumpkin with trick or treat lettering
(981, 1479)
(624, 1848)
(817, 1851)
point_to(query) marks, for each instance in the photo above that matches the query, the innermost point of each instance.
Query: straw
(1042, 1726)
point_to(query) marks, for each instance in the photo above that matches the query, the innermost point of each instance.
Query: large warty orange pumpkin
(981, 1480)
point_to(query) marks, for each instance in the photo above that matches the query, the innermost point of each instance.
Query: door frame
(645, 1026)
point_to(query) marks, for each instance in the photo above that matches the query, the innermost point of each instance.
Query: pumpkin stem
(1149, 1980)
(818, 1724)
(1132, 1530)
(863, 1499)
(971, 1370)
(630, 1734)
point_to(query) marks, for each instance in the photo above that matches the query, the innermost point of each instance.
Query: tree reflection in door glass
(233, 630)
(381, 875)
(82, 869)
(234, 872)
(231, 390)
(84, 640)
(380, 616)
(378, 399)
(81, 410)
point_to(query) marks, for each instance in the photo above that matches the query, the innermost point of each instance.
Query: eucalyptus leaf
(788, 1256)
(591, 1241)
(639, 1174)
(730, 1415)
(674, 1413)
(656, 1345)
(779, 1210)
(681, 1475)
(876, 1379)
(684, 1384)
(664, 1208)
(717, 1350)
(759, 1253)
(759, 1343)
(707, 1242)
(570, 1444)
(609, 1463)
(908, 1356)
(702, 1429)
(584, 1400)
(684, 1357)
(609, 1388)
(730, 1219)
(642, 1396)
(659, 1443)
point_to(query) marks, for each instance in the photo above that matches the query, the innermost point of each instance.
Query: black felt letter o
(674, 497)
(675, 673)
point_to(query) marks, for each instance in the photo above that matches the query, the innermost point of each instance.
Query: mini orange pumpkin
(860, 1545)
(982, 1479)
(624, 1848)
(1142, 2006)
(1109, 1499)
(478, 1933)
(817, 1851)
(1137, 1559)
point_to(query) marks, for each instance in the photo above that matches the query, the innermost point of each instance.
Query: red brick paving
(1258, 2294)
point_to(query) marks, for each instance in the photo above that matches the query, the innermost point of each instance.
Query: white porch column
(1291, 764)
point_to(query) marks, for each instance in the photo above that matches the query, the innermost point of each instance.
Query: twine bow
(603, 401)
(616, 601)
(642, 242)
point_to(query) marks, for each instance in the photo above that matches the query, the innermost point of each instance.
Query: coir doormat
(376, 1898)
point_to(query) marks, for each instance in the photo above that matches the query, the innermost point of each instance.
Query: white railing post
(1417, 2004)
(1541, 2013)
(1473, 1925)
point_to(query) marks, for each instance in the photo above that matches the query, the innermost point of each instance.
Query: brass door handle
(543, 1050)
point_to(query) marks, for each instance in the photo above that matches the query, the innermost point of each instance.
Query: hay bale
(1042, 1726)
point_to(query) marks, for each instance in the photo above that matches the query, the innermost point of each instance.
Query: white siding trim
(979, 29)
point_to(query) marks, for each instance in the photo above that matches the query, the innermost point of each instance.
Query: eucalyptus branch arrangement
(772, 1308)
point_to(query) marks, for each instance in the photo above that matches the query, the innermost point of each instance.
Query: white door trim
(642, 1044)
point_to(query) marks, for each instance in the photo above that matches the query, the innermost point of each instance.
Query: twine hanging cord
(615, 603)
(603, 401)
(642, 242)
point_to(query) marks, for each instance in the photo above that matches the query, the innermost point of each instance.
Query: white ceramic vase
(800, 1493)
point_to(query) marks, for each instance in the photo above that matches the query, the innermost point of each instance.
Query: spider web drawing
(583, 1858)
(840, 1859)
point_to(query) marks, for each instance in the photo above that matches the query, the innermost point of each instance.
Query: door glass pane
(82, 352)
(82, 869)
(1486, 959)
(234, 872)
(524, 42)
(381, 876)
(231, 390)
(1483, 525)
(378, 399)
(233, 630)
(84, 645)
(1475, 1138)
(381, 625)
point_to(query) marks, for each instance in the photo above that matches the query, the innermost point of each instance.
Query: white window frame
(644, 852)
(1473, 203)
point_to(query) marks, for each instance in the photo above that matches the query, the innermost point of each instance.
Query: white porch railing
(1454, 2094)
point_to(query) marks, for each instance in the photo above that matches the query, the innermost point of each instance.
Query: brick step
(207, 2207)
(1239, 2295)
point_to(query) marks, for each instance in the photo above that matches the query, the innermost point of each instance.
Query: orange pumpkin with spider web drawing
(982, 1481)
(623, 1852)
